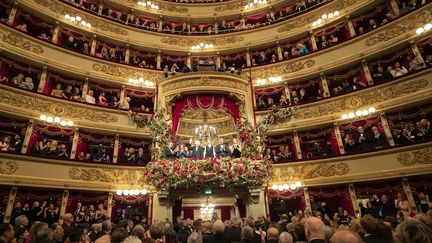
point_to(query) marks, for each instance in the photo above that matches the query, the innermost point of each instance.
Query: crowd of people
(21, 81)
(51, 148)
(411, 133)
(130, 156)
(11, 143)
(364, 140)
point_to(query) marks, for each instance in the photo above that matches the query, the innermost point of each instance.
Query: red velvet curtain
(203, 102)
(334, 197)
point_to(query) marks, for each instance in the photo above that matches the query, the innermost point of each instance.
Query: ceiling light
(372, 109)
(50, 119)
(67, 16)
(365, 112)
(69, 123)
(324, 16)
(351, 115)
(358, 113)
(63, 123)
(336, 13)
(420, 30)
(344, 116)
(428, 27)
(43, 117)
(57, 119)
(78, 18)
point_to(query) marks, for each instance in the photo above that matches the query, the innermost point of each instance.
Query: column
(100, 7)
(351, 28)
(297, 145)
(216, 26)
(367, 72)
(395, 7)
(127, 54)
(116, 148)
(189, 61)
(287, 93)
(324, 84)
(42, 80)
(74, 143)
(161, 206)
(65, 197)
(81, 2)
(255, 205)
(279, 51)
(313, 41)
(242, 20)
(307, 197)
(218, 61)
(160, 27)
(352, 193)
(10, 204)
(248, 58)
(110, 204)
(85, 88)
(27, 137)
(12, 14)
(339, 138)
(150, 208)
(93, 46)
(158, 60)
(55, 35)
(387, 130)
(417, 53)
(407, 189)
(122, 94)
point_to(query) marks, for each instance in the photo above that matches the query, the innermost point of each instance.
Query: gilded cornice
(283, 69)
(120, 71)
(417, 157)
(8, 167)
(301, 172)
(217, 82)
(188, 42)
(112, 175)
(18, 41)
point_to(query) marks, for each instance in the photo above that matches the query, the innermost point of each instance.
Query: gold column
(313, 41)
(188, 60)
(339, 138)
(395, 7)
(100, 7)
(12, 14)
(297, 145)
(93, 46)
(160, 23)
(307, 198)
(279, 51)
(116, 147)
(407, 189)
(387, 130)
(42, 80)
(218, 61)
(216, 26)
(122, 94)
(74, 143)
(352, 193)
(324, 83)
(417, 53)
(28, 134)
(243, 21)
(150, 208)
(158, 60)
(248, 58)
(55, 35)
(367, 72)
(110, 204)
(127, 54)
(85, 88)
(350, 27)
(287, 93)
(10, 204)
(81, 2)
(65, 197)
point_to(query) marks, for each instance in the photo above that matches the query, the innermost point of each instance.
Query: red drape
(203, 102)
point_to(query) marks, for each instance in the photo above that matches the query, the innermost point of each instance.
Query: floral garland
(226, 173)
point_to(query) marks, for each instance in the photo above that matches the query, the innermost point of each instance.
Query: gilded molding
(284, 68)
(189, 42)
(306, 19)
(230, 6)
(412, 22)
(418, 157)
(28, 102)
(311, 171)
(59, 8)
(107, 175)
(203, 81)
(8, 167)
(115, 70)
(19, 41)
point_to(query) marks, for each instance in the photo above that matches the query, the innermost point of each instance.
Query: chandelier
(325, 18)
(358, 113)
(131, 192)
(292, 187)
(205, 131)
(207, 209)
(78, 20)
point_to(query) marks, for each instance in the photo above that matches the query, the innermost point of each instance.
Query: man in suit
(222, 150)
(427, 128)
(234, 233)
(314, 229)
(272, 235)
(169, 151)
(197, 151)
(371, 228)
(283, 222)
(386, 207)
(363, 140)
(209, 151)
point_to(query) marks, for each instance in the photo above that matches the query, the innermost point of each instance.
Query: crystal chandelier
(207, 209)
(205, 131)
(292, 187)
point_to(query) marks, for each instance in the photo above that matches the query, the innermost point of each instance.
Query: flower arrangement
(227, 173)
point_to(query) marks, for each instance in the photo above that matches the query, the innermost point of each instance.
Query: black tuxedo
(365, 144)
(169, 153)
(380, 141)
(209, 151)
(17, 145)
(197, 152)
(222, 151)
(386, 209)
(141, 159)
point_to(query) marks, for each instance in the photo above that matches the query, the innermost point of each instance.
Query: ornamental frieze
(188, 42)
(411, 22)
(126, 73)
(418, 157)
(230, 6)
(8, 167)
(42, 105)
(203, 81)
(107, 175)
(284, 68)
(166, 7)
(311, 171)
(20, 42)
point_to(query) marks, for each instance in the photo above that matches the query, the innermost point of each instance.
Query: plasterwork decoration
(59, 8)
(302, 172)
(188, 42)
(20, 42)
(203, 81)
(8, 167)
(411, 22)
(125, 72)
(44, 106)
(419, 157)
(305, 20)
(230, 6)
(365, 99)
(224, 127)
(106, 175)
(166, 7)
(290, 67)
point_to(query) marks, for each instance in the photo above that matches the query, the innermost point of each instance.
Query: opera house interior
(215, 121)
